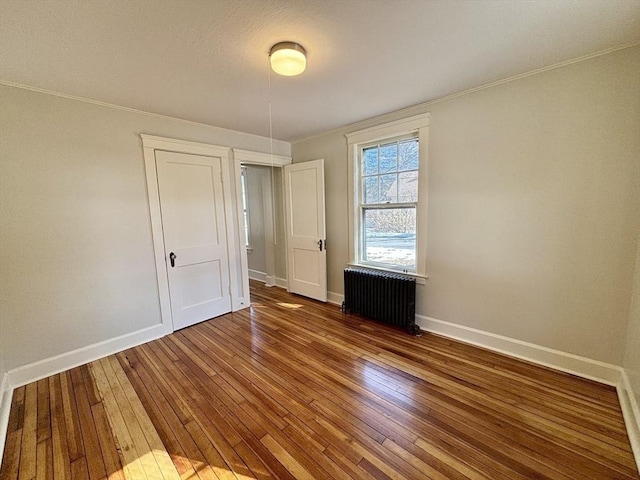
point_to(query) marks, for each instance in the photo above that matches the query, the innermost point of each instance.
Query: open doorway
(265, 171)
(263, 230)
(293, 258)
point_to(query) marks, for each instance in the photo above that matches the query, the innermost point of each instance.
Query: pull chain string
(273, 201)
(270, 120)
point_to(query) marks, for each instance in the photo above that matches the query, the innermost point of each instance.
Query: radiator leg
(414, 330)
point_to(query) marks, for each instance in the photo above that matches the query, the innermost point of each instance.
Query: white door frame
(150, 144)
(246, 157)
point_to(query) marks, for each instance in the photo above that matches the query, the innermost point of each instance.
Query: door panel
(305, 265)
(304, 217)
(305, 229)
(192, 209)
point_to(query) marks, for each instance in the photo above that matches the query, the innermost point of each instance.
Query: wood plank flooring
(293, 388)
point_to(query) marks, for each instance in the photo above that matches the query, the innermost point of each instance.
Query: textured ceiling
(207, 61)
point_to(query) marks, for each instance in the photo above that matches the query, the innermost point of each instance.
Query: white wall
(76, 254)
(533, 205)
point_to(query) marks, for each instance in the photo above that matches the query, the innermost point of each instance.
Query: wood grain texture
(294, 389)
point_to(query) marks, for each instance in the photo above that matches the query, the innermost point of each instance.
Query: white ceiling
(207, 61)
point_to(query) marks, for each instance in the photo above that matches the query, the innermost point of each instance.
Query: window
(388, 203)
(245, 207)
(388, 194)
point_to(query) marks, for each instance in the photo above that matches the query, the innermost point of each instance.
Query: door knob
(172, 258)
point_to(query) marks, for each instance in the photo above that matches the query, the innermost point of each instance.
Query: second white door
(305, 229)
(195, 236)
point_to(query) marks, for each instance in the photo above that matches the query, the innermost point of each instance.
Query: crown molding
(422, 107)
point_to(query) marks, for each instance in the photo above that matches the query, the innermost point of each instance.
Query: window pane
(246, 230)
(245, 208)
(408, 186)
(243, 181)
(388, 188)
(370, 189)
(370, 163)
(389, 158)
(408, 155)
(390, 236)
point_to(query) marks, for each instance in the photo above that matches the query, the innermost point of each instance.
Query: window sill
(421, 279)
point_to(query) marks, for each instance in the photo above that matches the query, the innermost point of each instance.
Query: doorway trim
(247, 157)
(151, 143)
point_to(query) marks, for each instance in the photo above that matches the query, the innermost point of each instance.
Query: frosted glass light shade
(288, 58)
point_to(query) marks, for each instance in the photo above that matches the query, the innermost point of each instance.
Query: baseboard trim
(270, 280)
(631, 414)
(257, 275)
(282, 283)
(335, 298)
(5, 408)
(566, 362)
(59, 363)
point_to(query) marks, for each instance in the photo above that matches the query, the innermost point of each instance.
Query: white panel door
(305, 229)
(195, 237)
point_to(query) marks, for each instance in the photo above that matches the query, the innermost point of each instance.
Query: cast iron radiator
(382, 296)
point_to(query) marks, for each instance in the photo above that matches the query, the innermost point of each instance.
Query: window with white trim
(388, 193)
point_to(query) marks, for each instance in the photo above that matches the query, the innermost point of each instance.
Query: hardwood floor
(295, 389)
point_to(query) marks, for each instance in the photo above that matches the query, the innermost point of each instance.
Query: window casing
(388, 195)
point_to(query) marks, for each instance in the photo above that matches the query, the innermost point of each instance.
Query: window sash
(397, 266)
(397, 175)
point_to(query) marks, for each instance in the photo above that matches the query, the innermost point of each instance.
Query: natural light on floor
(199, 468)
(292, 306)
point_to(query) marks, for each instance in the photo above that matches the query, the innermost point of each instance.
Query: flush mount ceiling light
(288, 58)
